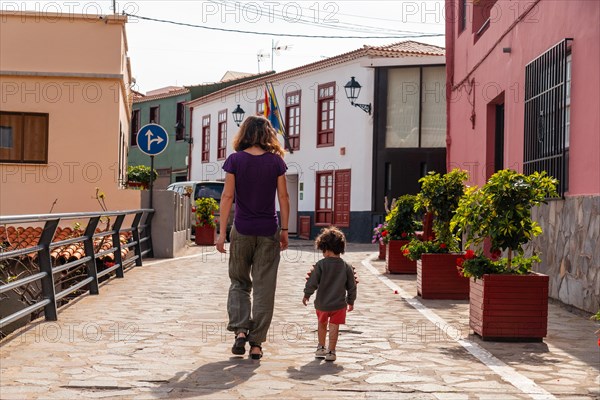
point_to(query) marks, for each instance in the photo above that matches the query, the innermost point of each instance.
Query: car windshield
(212, 190)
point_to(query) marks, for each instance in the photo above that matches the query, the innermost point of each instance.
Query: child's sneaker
(330, 356)
(321, 352)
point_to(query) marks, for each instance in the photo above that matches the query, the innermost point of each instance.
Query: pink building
(65, 110)
(523, 93)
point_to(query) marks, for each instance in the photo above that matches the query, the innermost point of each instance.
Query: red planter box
(438, 278)
(509, 307)
(205, 235)
(395, 262)
(382, 251)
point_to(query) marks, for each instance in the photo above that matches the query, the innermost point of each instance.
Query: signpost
(152, 139)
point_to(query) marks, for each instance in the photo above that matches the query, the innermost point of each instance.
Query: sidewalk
(160, 333)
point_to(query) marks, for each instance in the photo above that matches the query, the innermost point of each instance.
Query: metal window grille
(546, 86)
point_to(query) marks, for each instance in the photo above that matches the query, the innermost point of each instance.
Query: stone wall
(570, 247)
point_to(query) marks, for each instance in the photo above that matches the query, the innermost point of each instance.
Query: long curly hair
(257, 131)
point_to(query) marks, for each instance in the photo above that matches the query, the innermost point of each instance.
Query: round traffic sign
(152, 139)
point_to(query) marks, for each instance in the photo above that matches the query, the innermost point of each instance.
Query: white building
(344, 161)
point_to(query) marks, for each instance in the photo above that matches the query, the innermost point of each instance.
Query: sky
(164, 54)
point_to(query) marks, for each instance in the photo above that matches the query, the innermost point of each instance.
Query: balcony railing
(43, 254)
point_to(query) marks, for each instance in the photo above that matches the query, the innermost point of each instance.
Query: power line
(339, 25)
(418, 35)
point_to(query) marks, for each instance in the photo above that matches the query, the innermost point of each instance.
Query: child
(333, 278)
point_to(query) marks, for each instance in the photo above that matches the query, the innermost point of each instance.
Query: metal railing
(140, 241)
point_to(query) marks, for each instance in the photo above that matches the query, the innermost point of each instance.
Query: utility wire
(417, 35)
(339, 25)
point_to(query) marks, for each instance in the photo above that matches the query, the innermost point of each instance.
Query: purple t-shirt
(255, 189)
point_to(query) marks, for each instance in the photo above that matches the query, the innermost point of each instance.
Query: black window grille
(546, 85)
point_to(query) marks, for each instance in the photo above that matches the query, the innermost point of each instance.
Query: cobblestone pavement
(160, 333)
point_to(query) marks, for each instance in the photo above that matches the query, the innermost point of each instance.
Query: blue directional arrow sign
(152, 139)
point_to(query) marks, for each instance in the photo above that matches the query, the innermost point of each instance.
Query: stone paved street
(160, 333)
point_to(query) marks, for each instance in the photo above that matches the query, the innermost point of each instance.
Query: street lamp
(352, 89)
(238, 115)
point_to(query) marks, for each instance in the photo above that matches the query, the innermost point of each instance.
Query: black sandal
(255, 356)
(239, 346)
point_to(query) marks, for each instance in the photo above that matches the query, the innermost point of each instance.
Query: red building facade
(523, 86)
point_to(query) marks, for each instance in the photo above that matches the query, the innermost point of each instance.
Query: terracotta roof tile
(407, 48)
(172, 93)
(12, 238)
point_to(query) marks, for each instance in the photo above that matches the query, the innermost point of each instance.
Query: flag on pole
(267, 109)
(273, 114)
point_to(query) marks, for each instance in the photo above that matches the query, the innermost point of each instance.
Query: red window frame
(326, 114)
(292, 115)
(205, 138)
(222, 135)
(324, 198)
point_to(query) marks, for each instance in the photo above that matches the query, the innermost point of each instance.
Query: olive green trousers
(253, 264)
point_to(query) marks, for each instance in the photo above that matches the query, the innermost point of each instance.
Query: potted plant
(401, 223)
(379, 237)
(507, 300)
(436, 265)
(205, 208)
(140, 176)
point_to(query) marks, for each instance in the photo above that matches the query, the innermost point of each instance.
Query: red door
(341, 207)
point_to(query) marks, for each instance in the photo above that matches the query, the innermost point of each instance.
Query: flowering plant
(501, 211)
(416, 247)
(205, 211)
(403, 220)
(440, 195)
(475, 265)
(380, 234)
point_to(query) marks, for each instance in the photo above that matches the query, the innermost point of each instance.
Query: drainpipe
(189, 177)
(451, 15)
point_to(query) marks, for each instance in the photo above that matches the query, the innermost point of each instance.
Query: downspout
(190, 144)
(450, 39)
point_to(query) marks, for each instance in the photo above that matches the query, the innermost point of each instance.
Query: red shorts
(337, 317)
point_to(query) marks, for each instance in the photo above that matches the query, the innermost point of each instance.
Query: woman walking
(255, 174)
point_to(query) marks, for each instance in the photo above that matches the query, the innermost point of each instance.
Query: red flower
(404, 234)
(496, 254)
(384, 233)
(443, 246)
(460, 261)
(469, 254)
(430, 238)
(405, 252)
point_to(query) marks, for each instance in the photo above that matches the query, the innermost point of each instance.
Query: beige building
(65, 111)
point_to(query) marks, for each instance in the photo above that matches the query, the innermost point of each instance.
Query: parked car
(201, 189)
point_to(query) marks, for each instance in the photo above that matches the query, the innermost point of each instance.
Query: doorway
(292, 187)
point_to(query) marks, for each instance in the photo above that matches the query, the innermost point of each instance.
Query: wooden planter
(382, 251)
(438, 278)
(205, 235)
(395, 262)
(509, 307)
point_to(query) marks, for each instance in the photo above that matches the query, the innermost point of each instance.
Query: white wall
(353, 131)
